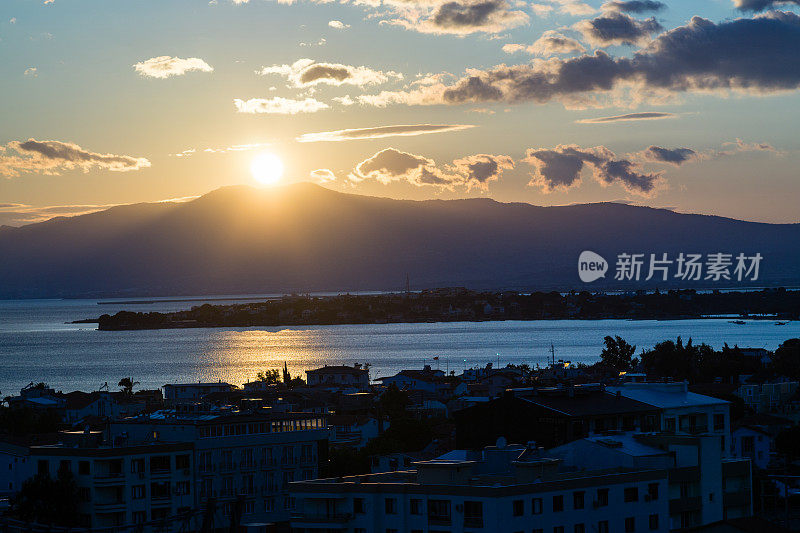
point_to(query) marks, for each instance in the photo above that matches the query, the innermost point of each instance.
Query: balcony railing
(473, 521)
(338, 518)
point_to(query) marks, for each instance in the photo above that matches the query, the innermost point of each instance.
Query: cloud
(673, 156)
(762, 5)
(739, 145)
(463, 17)
(323, 175)
(380, 132)
(31, 72)
(574, 7)
(307, 73)
(616, 28)
(754, 56)
(338, 25)
(12, 20)
(645, 115)
(52, 157)
(279, 106)
(224, 150)
(392, 165)
(550, 43)
(480, 169)
(560, 169)
(634, 6)
(165, 66)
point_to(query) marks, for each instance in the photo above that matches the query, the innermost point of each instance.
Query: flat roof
(667, 399)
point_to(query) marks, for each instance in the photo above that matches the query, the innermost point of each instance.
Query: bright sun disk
(267, 168)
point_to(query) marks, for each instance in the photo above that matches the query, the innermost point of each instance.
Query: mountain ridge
(304, 237)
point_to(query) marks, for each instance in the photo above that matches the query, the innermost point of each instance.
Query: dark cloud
(50, 157)
(561, 168)
(762, 5)
(306, 72)
(324, 72)
(616, 28)
(634, 6)
(756, 55)
(673, 156)
(646, 115)
(391, 165)
(463, 17)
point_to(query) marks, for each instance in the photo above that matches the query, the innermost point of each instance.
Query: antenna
(408, 284)
(553, 353)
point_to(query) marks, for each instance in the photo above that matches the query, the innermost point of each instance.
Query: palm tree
(127, 385)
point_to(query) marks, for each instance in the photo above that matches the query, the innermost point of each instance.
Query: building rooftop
(591, 404)
(665, 395)
(339, 369)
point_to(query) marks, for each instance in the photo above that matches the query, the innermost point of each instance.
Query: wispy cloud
(53, 157)
(323, 175)
(380, 132)
(166, 66)
(645, 115)
(223, 150)
(279, 106)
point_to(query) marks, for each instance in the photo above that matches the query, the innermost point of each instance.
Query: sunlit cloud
(480, 170)
(323, 175)
(338, 25)
(166, 66)
(223, 150)
(629, 117)
(550, 43)
(380, 132)
(53, 157)
(31, 72)
(279, 106)
(306, 73)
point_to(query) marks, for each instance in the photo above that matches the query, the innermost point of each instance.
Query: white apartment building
(504, 489)
(682, 412)
(246, 457)
(148, 485)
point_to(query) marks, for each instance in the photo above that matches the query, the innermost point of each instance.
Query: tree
(786, 359)
(127, 385)
(44, 500)
(269, 377)
(788, 442)
(393, 402)
(618, 354)
(287, 377)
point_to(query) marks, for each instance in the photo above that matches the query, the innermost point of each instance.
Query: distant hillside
(303, 237)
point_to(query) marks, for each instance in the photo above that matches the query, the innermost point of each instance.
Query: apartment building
(768, 397)
(339, 376)
(627, 483)
(499, 489)
(147, 485)
(244, 459)
(682, 412)
(177, 393)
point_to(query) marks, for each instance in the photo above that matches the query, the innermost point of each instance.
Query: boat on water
(739, 322)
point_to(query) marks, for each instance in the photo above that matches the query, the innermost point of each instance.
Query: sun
(267, 168)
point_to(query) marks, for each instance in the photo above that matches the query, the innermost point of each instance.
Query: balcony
(226, 467)
(109, 478)
(246, 466)
(267, 464)
(439, 520)
(207, 470)
(323, 520)
(682, 505)
(308, 459)
(109, 506)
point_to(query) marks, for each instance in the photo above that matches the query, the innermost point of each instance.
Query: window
(391, 530)
(577, 499)
(416, 506)
(160, 463)
(558, 529)
(159, 491)
(719, 422)
(439, 512)
(137, 465)
(669, 425)
(630, 524)
(558, 503)
(182, 488)
(653, 522)
(137, 492)
(602, 526)
(602, 497)
(43, 467)
(139, 517)
(181, 462)
(579, 528)
(390, 505)
(473, 514)
(631, 494)
(536, 506)
(538, 530)
(518, 507)
(652, 491)
(358, 506)
(64, 466)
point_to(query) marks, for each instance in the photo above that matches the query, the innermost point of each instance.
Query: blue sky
(105, 132)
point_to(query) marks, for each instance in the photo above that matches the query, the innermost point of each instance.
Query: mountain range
(305, 238)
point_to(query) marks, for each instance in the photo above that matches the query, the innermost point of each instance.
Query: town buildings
(345, 377)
